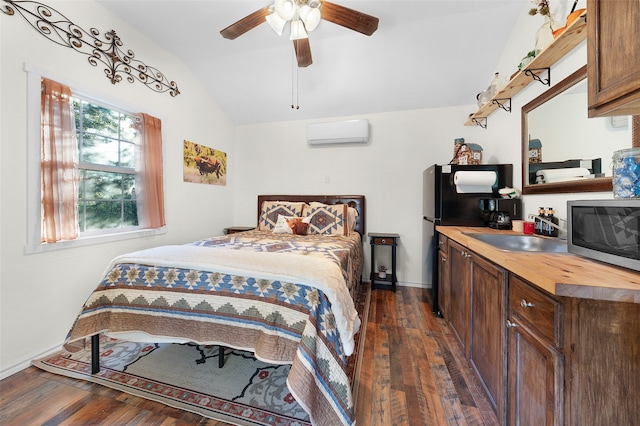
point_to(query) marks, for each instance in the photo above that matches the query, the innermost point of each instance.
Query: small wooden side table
(389, 240)
(234, 229)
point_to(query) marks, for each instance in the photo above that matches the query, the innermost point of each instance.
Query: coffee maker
(498, 213)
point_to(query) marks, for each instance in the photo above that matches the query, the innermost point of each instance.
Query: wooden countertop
(562, 274)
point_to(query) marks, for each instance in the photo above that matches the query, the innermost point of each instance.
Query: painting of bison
(204, 165)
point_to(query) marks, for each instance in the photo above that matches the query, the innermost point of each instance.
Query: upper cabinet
(538, 69)
(613, 57)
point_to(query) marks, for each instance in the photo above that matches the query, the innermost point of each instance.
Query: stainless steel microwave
(605, 230)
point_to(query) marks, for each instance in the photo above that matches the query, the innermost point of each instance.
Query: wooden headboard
(355, 201)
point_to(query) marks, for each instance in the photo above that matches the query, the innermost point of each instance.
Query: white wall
(41, 294)
(275, 158)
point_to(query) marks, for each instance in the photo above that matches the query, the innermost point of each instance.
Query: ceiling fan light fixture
(286, 9)
(276, 23)
(297, 30)
(310, 16)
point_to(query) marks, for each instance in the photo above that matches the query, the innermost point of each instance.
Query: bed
(283, 291)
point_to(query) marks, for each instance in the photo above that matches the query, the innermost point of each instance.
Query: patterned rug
(246, 391)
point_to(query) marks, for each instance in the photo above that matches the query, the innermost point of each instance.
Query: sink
(527, 243)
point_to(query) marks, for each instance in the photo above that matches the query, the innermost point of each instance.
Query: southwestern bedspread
(286, 298)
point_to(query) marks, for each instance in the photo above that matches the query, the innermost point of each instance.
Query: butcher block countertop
(561, 274)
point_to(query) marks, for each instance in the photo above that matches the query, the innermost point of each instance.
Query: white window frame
(34, 196)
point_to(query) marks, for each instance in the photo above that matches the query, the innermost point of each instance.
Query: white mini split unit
(338, 132)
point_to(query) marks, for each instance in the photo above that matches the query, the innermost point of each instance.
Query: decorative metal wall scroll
(60, 30)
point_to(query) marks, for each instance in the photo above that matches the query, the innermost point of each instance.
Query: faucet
(548, 222)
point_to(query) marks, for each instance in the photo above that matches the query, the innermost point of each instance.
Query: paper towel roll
(561, 175)
(474, 181)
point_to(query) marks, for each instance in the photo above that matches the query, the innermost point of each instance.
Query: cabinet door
(488, 333)
(460, 294)
(535, 379)
(443, 283)
(613, 57)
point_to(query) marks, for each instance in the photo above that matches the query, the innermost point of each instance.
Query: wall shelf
(538, 69)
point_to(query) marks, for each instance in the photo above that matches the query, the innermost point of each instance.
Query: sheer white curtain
(59, 164)
(149, 186)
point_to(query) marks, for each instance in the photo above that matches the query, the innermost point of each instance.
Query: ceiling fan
(302, 16)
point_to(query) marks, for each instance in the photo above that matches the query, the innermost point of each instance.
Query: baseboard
(16, 368)
(407, 284)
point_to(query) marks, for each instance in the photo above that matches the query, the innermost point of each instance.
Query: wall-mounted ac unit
(337, 132)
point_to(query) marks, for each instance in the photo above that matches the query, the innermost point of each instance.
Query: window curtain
(59, 164)
(149, 186)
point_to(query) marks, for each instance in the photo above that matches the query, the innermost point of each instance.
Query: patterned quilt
(286, 309)
(345, 251)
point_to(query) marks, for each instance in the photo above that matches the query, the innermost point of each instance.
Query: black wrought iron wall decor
(60, 30)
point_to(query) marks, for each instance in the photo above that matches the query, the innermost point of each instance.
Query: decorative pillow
(292, 225)
(328, 220)
(352, 214)
(270, 211)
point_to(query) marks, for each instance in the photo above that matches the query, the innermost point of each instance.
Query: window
(106, 167)
(103, 162)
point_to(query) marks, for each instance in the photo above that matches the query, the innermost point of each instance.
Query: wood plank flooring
(412, 373)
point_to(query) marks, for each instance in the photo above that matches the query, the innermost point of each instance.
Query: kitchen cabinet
(571, 330)
(487, 331)
(535, 361)
(605, 370)
(460, 294)
(613, 57)
(475, 311)
(443, 276)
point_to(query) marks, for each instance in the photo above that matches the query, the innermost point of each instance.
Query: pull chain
(294, 82)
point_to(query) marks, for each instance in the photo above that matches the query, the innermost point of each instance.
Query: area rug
(245, 391)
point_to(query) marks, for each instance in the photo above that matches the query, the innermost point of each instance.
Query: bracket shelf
(570, 38)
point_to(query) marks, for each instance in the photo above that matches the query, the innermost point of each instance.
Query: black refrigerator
(445, 203)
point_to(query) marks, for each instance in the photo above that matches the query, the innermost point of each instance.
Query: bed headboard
(355, 201)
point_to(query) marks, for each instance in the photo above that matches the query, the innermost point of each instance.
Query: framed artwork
(204, 165)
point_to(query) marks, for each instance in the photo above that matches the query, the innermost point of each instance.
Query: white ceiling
(425, 54)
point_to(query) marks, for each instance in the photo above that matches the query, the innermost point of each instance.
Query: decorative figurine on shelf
(544, 35)
(382, 272)
(496, 84)
(466, 153)
(525, 61)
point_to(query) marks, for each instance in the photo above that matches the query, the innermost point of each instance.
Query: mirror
(563, 150)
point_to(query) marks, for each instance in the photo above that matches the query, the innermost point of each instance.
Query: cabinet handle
(511, 324)
(526, 304)
(384, 241)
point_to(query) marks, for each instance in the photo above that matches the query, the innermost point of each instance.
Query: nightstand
(234, 229)
(379, 239)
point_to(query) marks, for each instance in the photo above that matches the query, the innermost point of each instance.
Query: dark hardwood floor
(412, 373)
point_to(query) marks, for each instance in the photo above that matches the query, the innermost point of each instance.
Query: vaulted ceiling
(425, 54)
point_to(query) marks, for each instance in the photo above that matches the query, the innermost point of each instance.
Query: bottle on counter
(537, 227)
(550, 230)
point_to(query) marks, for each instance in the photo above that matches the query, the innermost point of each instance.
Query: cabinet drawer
(443, 243)
(542, 314)
(383, 241)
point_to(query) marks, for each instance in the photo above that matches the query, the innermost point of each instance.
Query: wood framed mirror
(562, 136)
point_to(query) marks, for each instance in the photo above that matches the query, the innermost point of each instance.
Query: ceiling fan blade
(247, 23)
(303, 52)
(349, 18)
